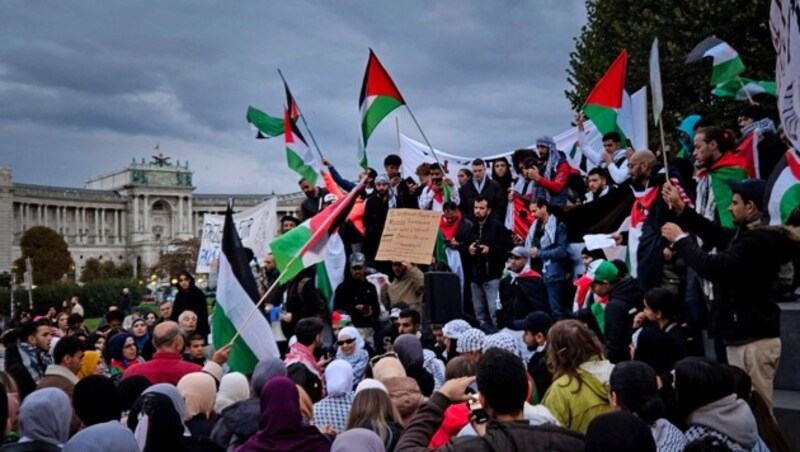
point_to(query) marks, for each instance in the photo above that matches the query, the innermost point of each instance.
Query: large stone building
(130, 215)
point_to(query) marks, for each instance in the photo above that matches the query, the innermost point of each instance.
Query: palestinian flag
(748, 151)
(605, 100)
(727, 64)
(306, 244)
(298, 155)
(783, 188)
(379, 97)
(729, 167)
(267, 126)
(236, 295)
(518, 216)
(740, 88)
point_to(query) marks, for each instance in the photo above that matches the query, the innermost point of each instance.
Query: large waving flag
(379, 97)
(236, 295)
(605, 100)
(727, 63)
(783, 188)
(298, 155)
(743, 88)
(305, 245)
(267, 126)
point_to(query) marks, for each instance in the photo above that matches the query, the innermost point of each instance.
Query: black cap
(750, 190)
(535, 322)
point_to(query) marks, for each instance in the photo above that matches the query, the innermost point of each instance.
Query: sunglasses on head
(346, 341)
(375, 359)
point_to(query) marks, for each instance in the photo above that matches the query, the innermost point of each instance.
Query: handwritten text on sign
(409, 235)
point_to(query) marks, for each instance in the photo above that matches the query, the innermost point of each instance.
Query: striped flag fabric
(379, 97)
(743, 88)
(605, 100)
(236, 295)
(783, 188)
(306, 244)
(298, 155)
(727, 63)
(266, 126)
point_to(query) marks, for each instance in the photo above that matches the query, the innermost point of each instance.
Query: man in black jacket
(406, 190)
(489, 241)
(744, 271)
(625, 299)
(535, 327)
(358, 297)
(376, 208)
(314, 196)
(522, 290)
(480, 185)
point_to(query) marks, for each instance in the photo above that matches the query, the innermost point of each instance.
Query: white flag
(655, 82)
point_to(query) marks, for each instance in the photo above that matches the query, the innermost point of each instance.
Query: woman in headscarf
(141, 336)
(281, 428)
(96, 400)
(409, 351)
(351, 349)
(102, 438)
(92, 364)
(333, 409)
(122, 353)
(199, 390)
(129, 391)
(406, 397)
(358, 440)
(44, 420)
(233, 388)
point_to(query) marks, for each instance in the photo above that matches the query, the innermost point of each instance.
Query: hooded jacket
(728, 416)
(500, 436)
(624, 301)
(574, 402)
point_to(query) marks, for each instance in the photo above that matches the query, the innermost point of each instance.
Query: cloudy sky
(85, 86)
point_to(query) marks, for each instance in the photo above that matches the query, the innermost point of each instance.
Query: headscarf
(265, 371)
(389, 367)
(96, 400)
(358, 440)
(338, 378)
(352, 332)
(409, 350)
(406, 396)
(143, 340)
(175, 397)
(233, 388)
(103, 437)
(199, 391)
(454, 328)
(553, 158)
(116, 345)
(91, 358)
(156, 423)
(45, 416)
(281, 428)
(370, 383)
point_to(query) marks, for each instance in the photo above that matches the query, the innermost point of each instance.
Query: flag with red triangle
(605, 100)
(379, 97)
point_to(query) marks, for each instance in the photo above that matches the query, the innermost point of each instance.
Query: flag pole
(424, 137)
(745, 90)
(397, 126)
(303, 118)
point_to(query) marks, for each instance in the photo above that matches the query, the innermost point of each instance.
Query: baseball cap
(535, 322)
(357, 260)
(519, 251)
(750, 190)
(606, 272)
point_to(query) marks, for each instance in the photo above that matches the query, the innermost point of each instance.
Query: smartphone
(477, 411)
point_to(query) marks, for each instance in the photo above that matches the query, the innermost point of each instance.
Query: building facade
(130, 215)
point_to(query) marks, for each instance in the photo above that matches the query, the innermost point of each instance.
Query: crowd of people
(553, 350)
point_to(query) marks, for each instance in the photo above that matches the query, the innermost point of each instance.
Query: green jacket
(576, 401)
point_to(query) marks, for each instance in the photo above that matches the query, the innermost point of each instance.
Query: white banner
(256, 227)
(786, 39)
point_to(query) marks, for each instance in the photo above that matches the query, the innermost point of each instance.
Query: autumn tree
(49, 255)
(616, 24)
(181, 256)
(96, 269)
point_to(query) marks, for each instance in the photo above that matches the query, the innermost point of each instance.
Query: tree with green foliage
(182, 256)
(49, 255)
(632, 24)
(94, 270)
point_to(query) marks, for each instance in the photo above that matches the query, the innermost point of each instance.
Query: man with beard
(649, 212)
(288, 223)
(438, 190)
(597, 183)
(489, 241)
(481, 185)
(613, 157)
(314, 196)
(455, 230)
(522, 290)
(551, 180)
(376, 208)
(358, 297)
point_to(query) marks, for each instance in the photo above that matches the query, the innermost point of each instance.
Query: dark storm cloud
(95, 78)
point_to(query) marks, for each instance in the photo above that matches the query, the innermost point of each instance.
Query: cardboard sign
(409, 235)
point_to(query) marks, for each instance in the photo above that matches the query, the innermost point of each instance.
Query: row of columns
(40, 214)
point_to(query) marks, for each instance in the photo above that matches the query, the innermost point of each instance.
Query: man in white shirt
(613, 157)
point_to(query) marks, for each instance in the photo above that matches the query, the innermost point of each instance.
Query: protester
(547, 244)
(129, 391)
(29, 359)
(404, 190)
(165, 308)
(96, 400)
(522, 290)
(358, 440)
(188, 324)
(67, 362)
(597, 182)
(482, 185)
(281, 428)
(451, 331)
(470, 343)
(195, 350)
(191, 298)
(551, 179)
(634, 388)
(580, 375)
(372, 409)
(309, 339)
(624, 301)
(122, 353)
(406, 397)
(44, 421)
(438, 191)
(314, 196)
(233, 388)
(199, 391)
(619, 431)
(464, 175)
(456, 416)
(409, 351)
(613, 157)
(351, 350)
(661, 341)
(376, 208)
(358, 297)
(408, 286)
(141, 335)
(333, 410)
